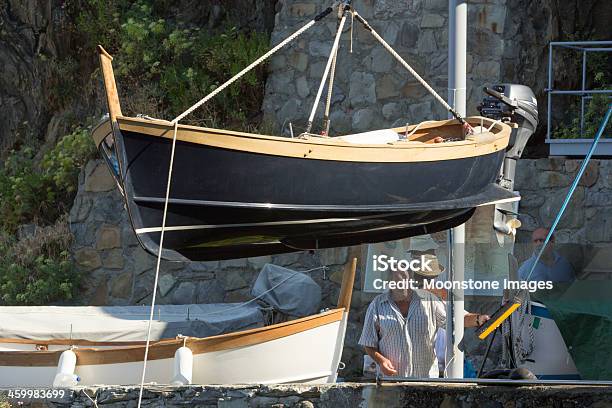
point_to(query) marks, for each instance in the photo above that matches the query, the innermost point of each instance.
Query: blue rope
(572, 188)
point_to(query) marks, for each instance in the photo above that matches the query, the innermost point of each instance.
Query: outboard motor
(513, 104)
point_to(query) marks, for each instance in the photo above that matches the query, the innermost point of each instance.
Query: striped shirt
(407, 341)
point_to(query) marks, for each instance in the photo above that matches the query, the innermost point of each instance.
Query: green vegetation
(163, 66)
(41, 192)
(595, 108)
(37, 269)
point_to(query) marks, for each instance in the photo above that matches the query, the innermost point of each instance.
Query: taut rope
(255, 63)
(159, 253)
(413, 72)
(332, 57)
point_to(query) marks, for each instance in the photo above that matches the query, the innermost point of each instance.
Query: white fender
(183, 366)
(65, 376)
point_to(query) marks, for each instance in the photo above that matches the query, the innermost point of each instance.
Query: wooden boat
(237, 194)
(305, 350)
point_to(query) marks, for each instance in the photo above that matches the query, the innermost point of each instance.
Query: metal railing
(584, 47)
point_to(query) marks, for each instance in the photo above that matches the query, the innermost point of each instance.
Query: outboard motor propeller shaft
(516, 104)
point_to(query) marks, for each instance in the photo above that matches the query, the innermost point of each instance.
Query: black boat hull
(228, 204)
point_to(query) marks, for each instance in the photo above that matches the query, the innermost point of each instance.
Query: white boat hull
(550, 358)
(304, 350)
(310, 356)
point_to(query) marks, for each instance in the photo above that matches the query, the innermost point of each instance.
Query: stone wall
(371, 89)
(544, 183)
(584, 233)
(347, 395)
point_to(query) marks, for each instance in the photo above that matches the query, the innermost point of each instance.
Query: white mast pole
(457, 44)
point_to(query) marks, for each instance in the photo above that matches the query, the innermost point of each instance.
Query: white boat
(549, 358)
(304, 350)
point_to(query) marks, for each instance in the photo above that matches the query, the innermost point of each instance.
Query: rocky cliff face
(38, 66)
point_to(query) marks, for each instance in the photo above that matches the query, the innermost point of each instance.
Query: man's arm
(474, 319)
(369, 340)
(383, 362)
(469, 319)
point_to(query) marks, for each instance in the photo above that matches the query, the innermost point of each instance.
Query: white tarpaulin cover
(126, 323)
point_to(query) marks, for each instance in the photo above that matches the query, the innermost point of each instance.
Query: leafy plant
(37, 269)
(176, 64)
(62, 164)
(595, 108)
(4, 402)
(593, 115)
(41, 193)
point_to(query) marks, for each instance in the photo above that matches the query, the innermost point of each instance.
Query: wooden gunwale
(166, 348)
(327, 148)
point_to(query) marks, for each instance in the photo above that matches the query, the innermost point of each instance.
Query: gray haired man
(401, 324)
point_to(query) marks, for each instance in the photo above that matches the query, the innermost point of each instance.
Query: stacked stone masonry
(371, 90)
(347, 395)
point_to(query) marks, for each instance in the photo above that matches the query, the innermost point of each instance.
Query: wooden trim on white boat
(71, 342)
(166, 348)
(332, 148)
(346, 289)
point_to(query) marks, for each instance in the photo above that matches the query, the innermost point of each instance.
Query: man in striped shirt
(400, 328)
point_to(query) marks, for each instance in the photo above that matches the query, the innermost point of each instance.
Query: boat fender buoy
(65, 376)
(183, 366)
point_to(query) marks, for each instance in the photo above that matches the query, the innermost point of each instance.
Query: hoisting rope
(330, 87)
(159, 253)
(368, 27)
(332, 56)
(524, 294)
(256, 62)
